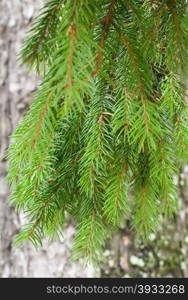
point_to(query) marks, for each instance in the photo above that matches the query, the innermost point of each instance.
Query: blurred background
(165, 255)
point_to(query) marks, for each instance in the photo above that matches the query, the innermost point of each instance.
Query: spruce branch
(37, 46)
(108, 120)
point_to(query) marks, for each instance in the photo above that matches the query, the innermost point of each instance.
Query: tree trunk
(125, 256)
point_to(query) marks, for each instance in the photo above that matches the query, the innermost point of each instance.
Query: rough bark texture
(167, 252)
(165, 255)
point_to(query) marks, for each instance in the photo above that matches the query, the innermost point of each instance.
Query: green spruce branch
(107, 130)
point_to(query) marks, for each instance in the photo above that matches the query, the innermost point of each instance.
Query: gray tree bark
(166, 255)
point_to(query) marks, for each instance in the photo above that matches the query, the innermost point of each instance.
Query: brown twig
(106, 23)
